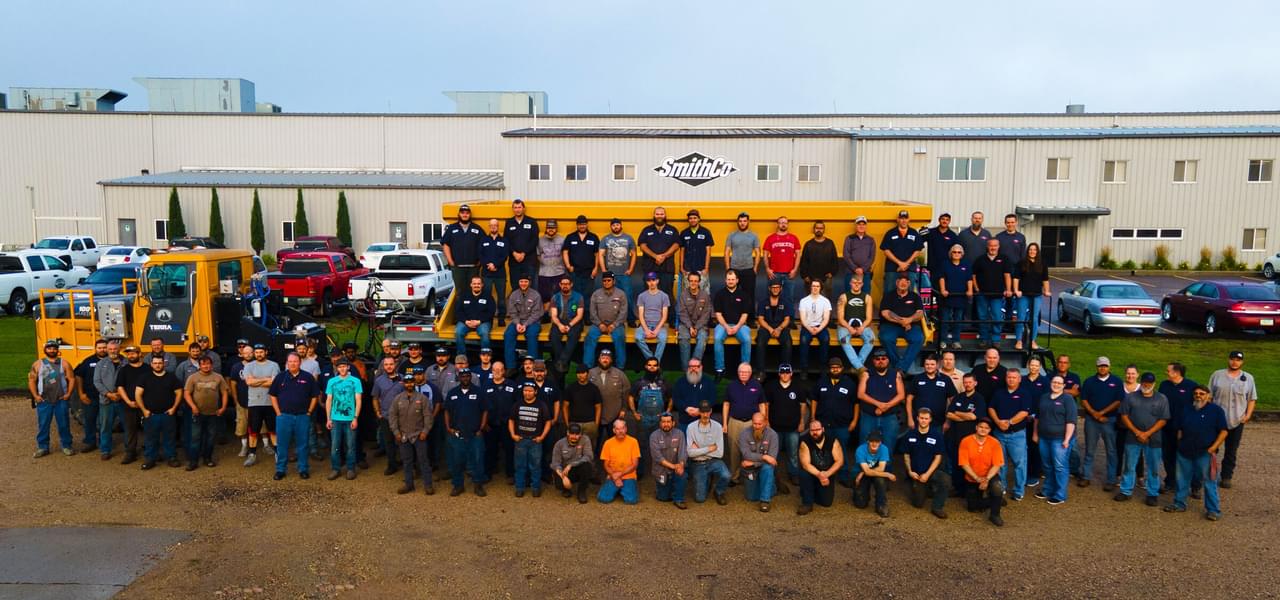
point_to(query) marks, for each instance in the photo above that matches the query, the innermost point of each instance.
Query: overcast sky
(622, 56)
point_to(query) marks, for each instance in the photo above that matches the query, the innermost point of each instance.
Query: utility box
(113, 320)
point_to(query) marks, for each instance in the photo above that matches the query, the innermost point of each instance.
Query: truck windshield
(168, 282)
(310, 245)
(404, 262)
(305, 267)
(53, 244)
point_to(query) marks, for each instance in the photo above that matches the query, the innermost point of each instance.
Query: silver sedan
(1098, 303)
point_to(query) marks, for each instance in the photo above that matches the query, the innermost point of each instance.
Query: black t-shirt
(962, 403)
(903, 306)
(242, 388)
(732, 304)
(85, 372)
(988, 381)
(989, 274)
(583, 400)
(128, 377)
(1031, 281)
(582, 251)
(530, 418)
(157, 390)
(785, 405)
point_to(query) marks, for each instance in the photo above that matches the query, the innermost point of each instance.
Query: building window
(768, 173)
(432, 232)
(1058, 169)
(1255, 240)
(962, 169)
(539, 172)
(162, 230)
(1115, 171)
(1260, 170)
(1146, 233)
(286, 232)
(575, 172)
(809, 174)
(624, 172)
(1184, 171)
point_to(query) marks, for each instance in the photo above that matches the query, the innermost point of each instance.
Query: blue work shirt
(696, 245)
(922, 447)
(466, 408)
(476, 307)
(939, 247)
(1006, 404)
(1099, 394)
(1200, 428)
(294, 392)
(835, 400)
(658, 240)
(493, 250)
(744, 398)
(933, 393)
(1181, 396)
(1035, 390)
(956, 277)
(901, 243)
(464, 243)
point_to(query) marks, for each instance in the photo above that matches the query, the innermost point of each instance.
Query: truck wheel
(326, 304)
(17, 302)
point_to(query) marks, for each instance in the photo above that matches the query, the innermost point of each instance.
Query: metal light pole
(31, 194)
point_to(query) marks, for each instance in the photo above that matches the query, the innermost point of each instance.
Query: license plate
(1132, 313)
(1268, 322)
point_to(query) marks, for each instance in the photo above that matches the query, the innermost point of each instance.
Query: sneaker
(148, 465)
(1110, 487)
(1056, 502)
(334, 474)
(1171, 508)
(480, 490)
(456, 491)
(351, 474)
(566, 493)
(883, 511)
(252, 460)
(210, 464)
(956, 346)
(938, 512)
(1033, 482)
(1153, 500)
(270, 449)
(1016, 498)
(1040, 495)
(40, 453)
(942, 346)
(244, 451)
(405, 489)
(804, 509)
(1121, 498)
(996, 520)
(1212, 516)
(764, 507)
(680, 505)
(71, 452)
(1224, 484)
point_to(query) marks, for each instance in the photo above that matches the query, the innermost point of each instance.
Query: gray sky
(626, 56)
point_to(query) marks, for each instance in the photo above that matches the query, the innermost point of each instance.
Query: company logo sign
(695, 168)
(164, 315)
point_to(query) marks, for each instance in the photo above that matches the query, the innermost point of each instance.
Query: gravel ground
(256, 538)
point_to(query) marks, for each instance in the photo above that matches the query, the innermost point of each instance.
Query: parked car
(1224, 305)
(24, 273)
(374, 253)
(194, 243)
(315, 243)
(414, 279)
(1099, 303)
(1271, 266)
(115, 280)
(122, 255)
(78, 250)
(316, 280)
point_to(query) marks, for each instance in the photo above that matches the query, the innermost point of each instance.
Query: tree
(344, 220)
(300, 227)
(176, 228)
(257, 237)
(216, 233)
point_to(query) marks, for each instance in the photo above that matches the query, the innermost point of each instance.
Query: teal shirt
(343, 390)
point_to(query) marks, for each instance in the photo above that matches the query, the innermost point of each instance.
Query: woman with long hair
(1030, 287)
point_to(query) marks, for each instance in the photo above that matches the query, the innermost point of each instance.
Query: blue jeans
(510, 342)
(1197, 467)
(670, 487)
(759, 484)
(293, 429)
(791, 445)
(844, 436)
(1029, 316)
(466, 454)
(824, 343)
(622, 281)
(952, 315)
(46, 412)
(1015, 456)
(495, 287)
(1152, 456)
(528, 464)
(204, 428)
(460, 335)
(609, 491)
(108, 415)
(157, 432)
(660, 343)
(989, 309)
(619, 336)
(857, 359)
(342, 437)
(414, 453)
(1107, 431)
(699, 348)
(889, 334)
(91, 411)
(1055, 459)
(744, 344)
(701, 471)
(585, 284)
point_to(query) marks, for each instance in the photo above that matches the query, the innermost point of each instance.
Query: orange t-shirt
(980, 458)
(618, 456)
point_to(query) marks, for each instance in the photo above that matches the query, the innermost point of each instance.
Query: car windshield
(111, 276)
(309, 244)
(1250, 292)
(381, 248)
(304, 267)
(53, 244)
(125, 251)
(1125, 292)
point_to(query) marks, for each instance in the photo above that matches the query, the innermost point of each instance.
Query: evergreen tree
(257, 236)
(344, 220)
(300, 227)
(177, 229)
(216, 233)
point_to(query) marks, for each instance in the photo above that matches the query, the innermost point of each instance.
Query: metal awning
(1063, 211)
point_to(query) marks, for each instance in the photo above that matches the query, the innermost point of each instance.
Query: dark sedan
(1224, 305)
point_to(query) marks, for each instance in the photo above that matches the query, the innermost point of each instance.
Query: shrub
(344, 220)
(257, 235)
(216, 232)
(1146, 266)
(1162, 257)
(1128, 265)
(1230, 260)
(1184, 266)
(269, 260)
(177, 228)
(300, 225)
(1105, 259)
(1206, 259)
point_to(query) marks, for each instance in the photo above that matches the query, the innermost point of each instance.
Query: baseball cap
(539, 365)
(860, 219)
(51, 344)
(395, 343)
(461, 358)
(341, 361)
(1236, 354)
(581, 219)
(784, 368)
(904, 214)
(1102, 360)
(259, 346)
(202, 338)
(835, 360)
(1148, 377)
(524, 275)
(604, 351)
(775, 281)
(615, 220)
(464, 207)
(486, 350)
(415, 346)
(693, 212)
(575, 428)
(879, 353)
(606, 275)
(350, 346)
(704, 406)
(552, 223)
(650, 276)
(875, 437)
(242, 342)
(131, 348)
(442, 351)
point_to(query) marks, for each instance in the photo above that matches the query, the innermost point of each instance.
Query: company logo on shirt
(695, 168)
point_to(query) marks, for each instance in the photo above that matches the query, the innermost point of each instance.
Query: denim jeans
(460, 335)
(466, 453)
(759, 483)
(889, 335)
(670, 487)
(293, 429)
(108, 416)
(204, 430)
(90, 413)
(1015, 458)
(1107, 431)
(952, 315)
(701, 471)
(1152, 457)
(813, 492)
(510, 342)
(938, 484)
(1029, 316)
(791, 445)
(699, 348)
(824, 342)
(857, 359)
(1055, 459)
(762, 346)
(844, 436)
(342, 446)
(564, 345)
(414, 453)
(619, 338)
(1197, 468)
(609, 491)
(157, 432)
(660, 343)
(495, 287)
(47, 412)
(744, 344)
(887, 424)
(528, 458)
(989, 309)
(584, 284)
(862, 491)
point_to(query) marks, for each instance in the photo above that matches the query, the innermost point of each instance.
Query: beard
(757, 434)
(693, 378)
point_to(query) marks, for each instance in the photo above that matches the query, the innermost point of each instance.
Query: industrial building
(77, 99)
(1078, 181)
(203, 95)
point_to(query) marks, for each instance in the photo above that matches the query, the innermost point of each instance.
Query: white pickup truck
(414, 280)
(24, 273)
(79, 250)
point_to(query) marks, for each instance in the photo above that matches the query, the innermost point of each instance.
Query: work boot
(883, 511)
(129, 458)
(938, 512)
(173, 462)
(582, 493)
(40, 453)
(480, 490)
(351, 474)
(566, 493)
(429, 490)
(997, 521)
(720, 499)
(804, 509)
(679, 505)
(191, 466)
(456, 491)
(764, 507)
(147, 466)
(537, 492)
(405, 489)
(390, 470)
(782, 488)
(334, 474)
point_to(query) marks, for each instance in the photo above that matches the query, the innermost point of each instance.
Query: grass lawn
(17, 351)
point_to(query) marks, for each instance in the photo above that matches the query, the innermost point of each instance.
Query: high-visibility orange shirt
(980, 457)
(618, 456)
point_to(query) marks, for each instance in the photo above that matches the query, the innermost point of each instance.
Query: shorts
(260, 416)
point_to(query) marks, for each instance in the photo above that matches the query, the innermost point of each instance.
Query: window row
(1113, 171)
(627, 172)
(1255, 238)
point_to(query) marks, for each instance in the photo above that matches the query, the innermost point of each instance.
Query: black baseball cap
(524, 275)
(693, 212)
(464, 207)
(879, 353)
(486, 350)
(1236, 354)
(575, 428)
(394, 343)
(350, 346)
(835, 360)
(1148, 377)
(552, 223)
(415, 346)
(615, 220)
(242, 342)
(875, 437)
(442, 351)
(704, 406)
(606, 275)
(581, 219)
(784, 368)
(902, 214)
(604, 351)
(259, 346)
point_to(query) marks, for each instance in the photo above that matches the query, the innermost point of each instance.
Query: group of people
(581, 283)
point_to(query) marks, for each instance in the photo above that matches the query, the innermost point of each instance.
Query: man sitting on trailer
(475, 313)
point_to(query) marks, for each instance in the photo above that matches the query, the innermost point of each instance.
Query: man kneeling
(571, 460)
(758, 447)
(981, 458)
(621, 456)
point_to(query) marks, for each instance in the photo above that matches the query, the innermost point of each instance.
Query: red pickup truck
(315, 280)
(315, 243)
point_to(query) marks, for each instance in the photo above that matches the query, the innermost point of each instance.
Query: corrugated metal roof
(1066, 211)
(443, 180)
(677, 132)
(1063, 133)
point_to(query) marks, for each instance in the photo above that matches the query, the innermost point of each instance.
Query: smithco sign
(695, 168)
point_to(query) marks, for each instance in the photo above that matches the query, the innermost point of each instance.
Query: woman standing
(955, 284)
(1030, 286)
(1055, 432)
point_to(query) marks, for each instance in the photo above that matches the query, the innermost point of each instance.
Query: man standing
(522, 243)
(690, 392)
(530, 423)
(126, 381)
(693, 314)
(493, 266)
(653, 308)
(551, 265)
(1144, 414)
(939, 241)
(205, 393)
(659, 242)
(614, 387)
(387, 384)
(581, 256)
(618, 254)
(608, 312)
(922, 459)
(343, 398)
(853, 313)
(475, 313)
(834, 403)
(872, 458)
(881, 392)
(583, 404)
(821, 457)
(818, 259)
(524, 306)
(901, 246)
(1101, 395)
(90, 401)
(773, 318)
(742, 255)
(157, 349)
(859, 254)
(1202, 430)
(501, 394)
(974, 238)
(1009, 409)
(649, 399)
(409, 421)
(294, 394)
(669, 452)
(930, 390)
(1013, 245)
(461, 243)
(788, 407)
(1181, 394)
(206, 349)
(567, 312)
(50, 382)
(780, 250)
(466, 414)
(993, 283)
(103, 381)
(706, 453)
(620, 457)
(981, 458)
(902, 316)
(571, 462)
(744, 397)
(731, 313)
(696, 242)
(1235, 390)
(814, 315)
(962, 418)
(758, 451)
(989, 376)
(158, 394)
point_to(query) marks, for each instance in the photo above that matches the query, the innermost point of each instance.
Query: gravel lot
(255, 538)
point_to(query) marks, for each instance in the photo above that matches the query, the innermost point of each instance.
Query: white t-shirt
(811, 310)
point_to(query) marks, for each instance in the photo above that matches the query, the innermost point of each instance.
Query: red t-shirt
(782, 251)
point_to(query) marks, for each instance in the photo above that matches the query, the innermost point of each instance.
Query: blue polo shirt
(956, 277)
(1070, 379)
(294, 392)
(744, 398)
(1181, 396)
(658, 240)
(939, 246)
(773, 313)
(933, 393)
(1006, 404)
(835, 400)
(1200, 428)
(1035, 390)
(901, 244)
(464, 243)
(1099, 394)
(493, 250)
(864, 455)
(922, 447)
(465, 409)
(1012, 247)
(695, 244)
(475, 307)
